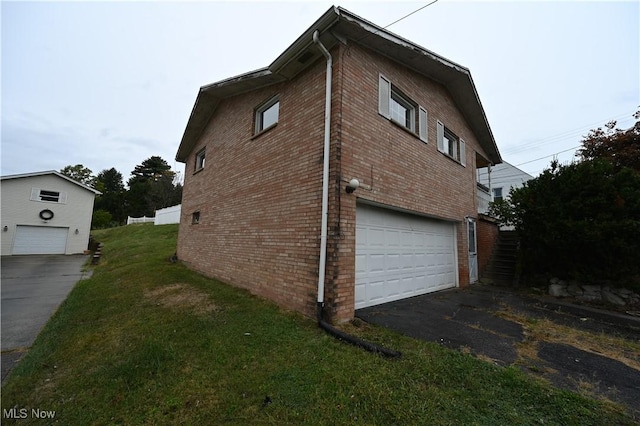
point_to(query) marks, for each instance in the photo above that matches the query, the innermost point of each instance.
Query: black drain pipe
(346, 337)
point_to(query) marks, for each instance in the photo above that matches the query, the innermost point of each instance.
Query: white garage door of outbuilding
(40, 240)
(401, 255)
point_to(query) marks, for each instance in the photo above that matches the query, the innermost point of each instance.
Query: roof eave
(50, 172)
(209, 97)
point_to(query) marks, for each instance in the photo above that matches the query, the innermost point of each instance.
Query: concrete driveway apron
(466, 319)
(32, 288)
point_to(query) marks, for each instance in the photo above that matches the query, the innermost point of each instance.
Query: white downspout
(325, 175)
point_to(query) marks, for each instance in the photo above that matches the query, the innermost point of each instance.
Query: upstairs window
(200, 158)
(403, 111)
(451, 145)
(400, 109)
(49, 196)
(497, 194)
(267, 114)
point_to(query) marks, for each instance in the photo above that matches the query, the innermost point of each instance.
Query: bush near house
(581, 221)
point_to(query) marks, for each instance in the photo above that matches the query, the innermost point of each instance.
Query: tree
(152, 168)
(79, 173)
(582, 220)
(620, 147)
(112, 200)
(151, 187)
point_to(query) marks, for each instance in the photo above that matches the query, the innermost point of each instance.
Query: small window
(38, 194)
(497, 194)
(400, 109)
(267, 114)
(450, 144)
(200, 158)
(195, 218)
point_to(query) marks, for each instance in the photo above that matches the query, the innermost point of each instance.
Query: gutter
(323, 232)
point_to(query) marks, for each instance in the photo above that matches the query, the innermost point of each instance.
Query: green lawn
(147, 341)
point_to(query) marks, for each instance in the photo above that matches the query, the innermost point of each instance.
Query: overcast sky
(110, 84)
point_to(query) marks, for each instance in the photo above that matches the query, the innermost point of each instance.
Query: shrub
(580, 221)
(101, 219)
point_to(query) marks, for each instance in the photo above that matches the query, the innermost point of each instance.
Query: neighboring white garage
(40, 240)
(400, 255)
(45, 213)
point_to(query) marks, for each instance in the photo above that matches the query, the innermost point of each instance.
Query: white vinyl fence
(168, 215)
(142, 219)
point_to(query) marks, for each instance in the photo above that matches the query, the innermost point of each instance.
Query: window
(200, 157)
(38, 194)
(195, 218)
(400, 109)
(450, 144)
(267, 114)
(497, 194)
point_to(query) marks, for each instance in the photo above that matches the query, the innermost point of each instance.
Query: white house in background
(45, 213)
(502, 178)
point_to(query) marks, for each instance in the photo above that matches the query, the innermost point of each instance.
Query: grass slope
(145, 341)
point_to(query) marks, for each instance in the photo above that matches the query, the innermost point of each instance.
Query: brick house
(405, 126)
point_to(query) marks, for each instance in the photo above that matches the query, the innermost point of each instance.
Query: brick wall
(260, 197)
(488, 231)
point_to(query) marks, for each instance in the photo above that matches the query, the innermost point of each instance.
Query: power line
(406, 16)
(398, 20)
(547, 156)
(568, 134)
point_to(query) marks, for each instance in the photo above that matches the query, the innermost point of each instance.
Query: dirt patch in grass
(536, 330)
(179, 297)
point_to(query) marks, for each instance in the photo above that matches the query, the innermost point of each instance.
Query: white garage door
(400, 255)
(40, 240)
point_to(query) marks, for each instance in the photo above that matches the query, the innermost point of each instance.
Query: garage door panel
(400, 255)
(361, 263)
(392, 239)
(420, 262)
(376, 238)
(407, 261)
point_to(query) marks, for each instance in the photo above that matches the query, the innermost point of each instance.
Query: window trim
(460, 153)
(259, 112)
(201, 158)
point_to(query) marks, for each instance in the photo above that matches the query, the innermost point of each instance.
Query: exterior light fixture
(6, 228)
(77, 232)
(352, 185)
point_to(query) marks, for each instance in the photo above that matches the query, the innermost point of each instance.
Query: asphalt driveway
(470, 319)
(32, 289)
